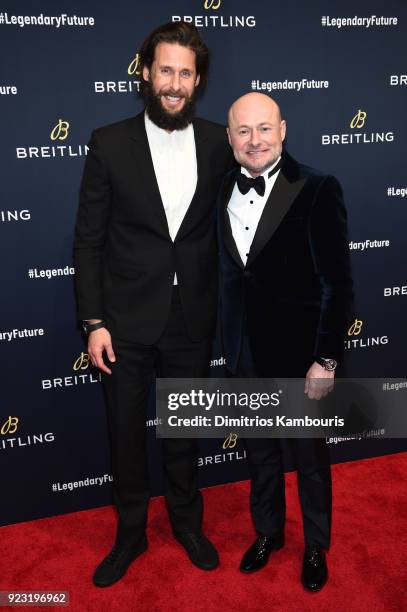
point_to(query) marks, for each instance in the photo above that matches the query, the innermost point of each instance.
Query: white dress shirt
(174, 160)
(175, 167)
(245, 211)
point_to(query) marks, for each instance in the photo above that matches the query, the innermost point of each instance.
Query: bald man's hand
(318, 382)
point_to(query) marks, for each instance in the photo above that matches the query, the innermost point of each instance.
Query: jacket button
(247, 274)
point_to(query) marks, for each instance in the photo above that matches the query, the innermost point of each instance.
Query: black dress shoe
(314, 568)
(258, 554)
(115, 565)
(200, 550)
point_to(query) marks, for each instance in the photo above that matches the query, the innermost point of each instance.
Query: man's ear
(198, 78)
(228, 133)
(146, 73)
(283, 129)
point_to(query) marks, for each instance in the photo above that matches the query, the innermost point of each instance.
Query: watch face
(330, 364)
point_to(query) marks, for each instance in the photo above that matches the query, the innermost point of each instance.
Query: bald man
(286, 295)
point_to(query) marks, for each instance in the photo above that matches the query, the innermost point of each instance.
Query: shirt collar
(152, 128)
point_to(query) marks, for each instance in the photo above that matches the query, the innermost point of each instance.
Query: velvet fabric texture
(294, 296)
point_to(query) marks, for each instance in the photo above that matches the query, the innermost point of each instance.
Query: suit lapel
(201, 163)
(230, 243)
(140, 149)
(285, 190)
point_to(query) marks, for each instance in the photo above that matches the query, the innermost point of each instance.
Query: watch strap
(90, 327)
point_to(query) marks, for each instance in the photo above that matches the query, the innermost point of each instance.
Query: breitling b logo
(355, 328)
(82, 363)
(211, 4)
(60, 131)
(9, 426)
(358, 120)
(134, 65)
(230, 441)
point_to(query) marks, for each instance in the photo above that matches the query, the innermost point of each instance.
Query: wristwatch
(90, 327)
(328, 364)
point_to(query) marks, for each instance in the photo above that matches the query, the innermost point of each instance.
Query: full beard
(161, 117)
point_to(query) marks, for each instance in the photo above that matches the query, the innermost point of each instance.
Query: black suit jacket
(124, 257)
(294, 296)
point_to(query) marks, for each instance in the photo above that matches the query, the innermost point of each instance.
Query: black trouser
(174, 355)
(267, 494)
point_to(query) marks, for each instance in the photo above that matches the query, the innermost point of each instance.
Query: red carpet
(367, 560)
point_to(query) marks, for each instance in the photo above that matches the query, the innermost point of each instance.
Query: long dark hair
(184, 34)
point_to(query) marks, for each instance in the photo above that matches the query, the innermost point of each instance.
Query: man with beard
(145, 258)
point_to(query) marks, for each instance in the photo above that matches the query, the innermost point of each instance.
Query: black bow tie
(245, 183)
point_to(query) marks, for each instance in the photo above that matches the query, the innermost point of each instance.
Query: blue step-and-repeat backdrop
(339, 72)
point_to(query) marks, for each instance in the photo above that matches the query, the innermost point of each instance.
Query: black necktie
(245, 183)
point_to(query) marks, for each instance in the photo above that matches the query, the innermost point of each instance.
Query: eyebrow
(258, 125)
(171, 67)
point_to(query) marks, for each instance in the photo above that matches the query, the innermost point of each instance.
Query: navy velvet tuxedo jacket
(294, 296)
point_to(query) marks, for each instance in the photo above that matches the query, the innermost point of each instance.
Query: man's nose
(254, 138)
(175, 81)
